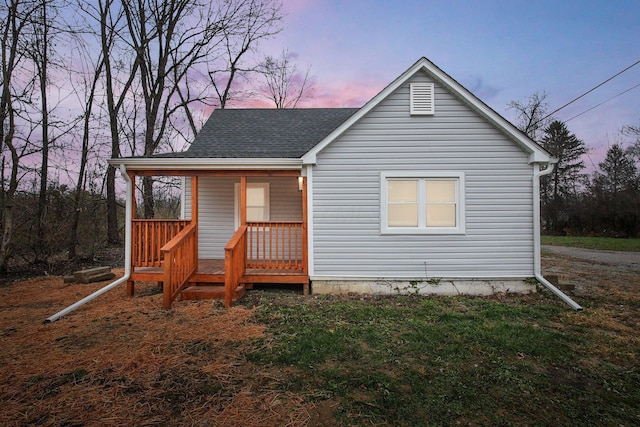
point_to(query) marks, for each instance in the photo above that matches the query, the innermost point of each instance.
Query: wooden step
(199, 292)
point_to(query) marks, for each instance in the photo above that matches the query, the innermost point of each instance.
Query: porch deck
(211, 271)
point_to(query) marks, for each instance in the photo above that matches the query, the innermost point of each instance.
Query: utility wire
(603, 102)
(587, 92)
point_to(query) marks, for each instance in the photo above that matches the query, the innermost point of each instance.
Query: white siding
(498, 240)
(216, 214)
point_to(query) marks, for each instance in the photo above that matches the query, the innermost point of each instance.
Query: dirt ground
(123, 361)
(619, 259)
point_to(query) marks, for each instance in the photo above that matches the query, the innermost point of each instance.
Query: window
(414, 202)
(257, 202)
(402, 202)
(422, 99)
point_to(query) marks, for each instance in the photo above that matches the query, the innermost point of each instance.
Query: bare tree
(158, 64)
(78, 197)
(110, 16)
(39, 53)
(285, 86)
(16, 16)
(172, 38)
(47, 29)
(531, 115)
(162, 43)
(252, 21)
(634, 149)
(119, 67)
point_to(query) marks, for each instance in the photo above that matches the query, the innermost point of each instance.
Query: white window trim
(460, 227)
(236, 201)
(422, 99)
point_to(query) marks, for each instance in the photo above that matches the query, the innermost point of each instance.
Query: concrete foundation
(422, 287)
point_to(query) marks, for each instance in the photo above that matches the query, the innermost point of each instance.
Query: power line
(587, 92)
(603, 102)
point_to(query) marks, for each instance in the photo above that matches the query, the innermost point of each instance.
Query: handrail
(148, 238)
(275, 245)
(180, 263)
(234, 263)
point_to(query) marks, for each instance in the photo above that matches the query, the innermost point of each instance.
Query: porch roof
(241, 139)
(263, 133)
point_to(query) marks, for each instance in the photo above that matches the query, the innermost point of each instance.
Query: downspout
(536, 237)
(127, 255)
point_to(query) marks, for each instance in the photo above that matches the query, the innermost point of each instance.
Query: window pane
(255, 196)
(402, 190)
(403, 215)
(441, 215)
(255, 213)
(441, 190)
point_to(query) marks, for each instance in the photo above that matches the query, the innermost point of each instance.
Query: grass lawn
(450, 361)
(604, 243)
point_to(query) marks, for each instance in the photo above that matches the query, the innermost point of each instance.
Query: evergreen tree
(619, 172)
(559, 190)
(617, 192)
(568, 149)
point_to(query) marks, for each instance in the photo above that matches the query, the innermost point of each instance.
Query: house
(423, 189)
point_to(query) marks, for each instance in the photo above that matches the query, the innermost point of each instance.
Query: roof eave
(177, 163)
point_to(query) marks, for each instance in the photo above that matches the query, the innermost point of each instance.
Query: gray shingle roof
(264, 133)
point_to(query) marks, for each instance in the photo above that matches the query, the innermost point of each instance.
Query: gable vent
(422, 99)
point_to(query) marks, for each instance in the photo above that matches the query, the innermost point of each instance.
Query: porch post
(194, 217)
(243, 200)
(131, 283)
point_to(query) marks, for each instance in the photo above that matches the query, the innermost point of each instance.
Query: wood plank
(275, 278)
(85, 276)
(234, 263)
(96, 278)
(147, 277)
(193, 293)
(207, 278)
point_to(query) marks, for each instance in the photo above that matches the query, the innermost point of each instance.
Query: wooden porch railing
(275, 245)
(180, 263)
(234, 263)
(148, 238)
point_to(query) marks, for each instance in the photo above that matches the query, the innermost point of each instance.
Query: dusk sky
(499, 50)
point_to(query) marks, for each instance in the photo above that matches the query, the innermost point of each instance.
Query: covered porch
(270, 251)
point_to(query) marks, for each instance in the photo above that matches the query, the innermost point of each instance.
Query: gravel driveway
(624, 260)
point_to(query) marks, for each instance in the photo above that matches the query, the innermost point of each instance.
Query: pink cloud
(323, 94)
(343, 94)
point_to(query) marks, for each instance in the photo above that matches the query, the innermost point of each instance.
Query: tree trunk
(7, 212)
(113, 232)
(107, 34)
(147, 197)
(9, 44)
(42, 65)
(7, 231)
(79, 195)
